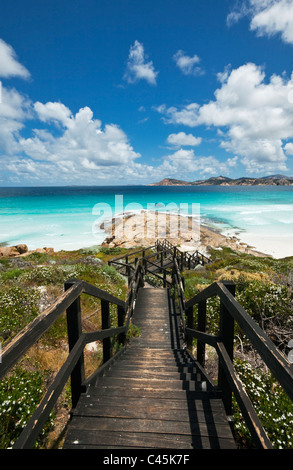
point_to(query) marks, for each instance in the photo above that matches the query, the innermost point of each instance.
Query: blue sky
(130, 92)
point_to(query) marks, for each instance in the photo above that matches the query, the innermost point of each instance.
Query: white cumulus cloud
(267, 17)
(187, 64)
(15, 109)
(183, 139)
(9, 64)
(82, 142)
(185, 164)
(254, 115)
(137, 66)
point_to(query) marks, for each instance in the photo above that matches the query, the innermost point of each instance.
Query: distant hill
(272, 180)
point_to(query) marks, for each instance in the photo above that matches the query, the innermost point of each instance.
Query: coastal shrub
(193, 284)
(20, 393)
(153, 280)
(38, 257)
(111, 273)
(229, 273)
(266, 301)
(271, 403)
(91, 250)
(11, 274)
(115, 250)
(58, 274)
(133, 331)
(18, 307)
(43, 275)
(270, 305)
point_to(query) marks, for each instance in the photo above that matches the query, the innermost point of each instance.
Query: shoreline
(144, 227)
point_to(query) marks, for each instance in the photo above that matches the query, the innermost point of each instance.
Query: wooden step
(155, 395)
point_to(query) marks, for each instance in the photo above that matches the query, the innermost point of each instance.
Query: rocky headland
(273, 180)
(145, 227)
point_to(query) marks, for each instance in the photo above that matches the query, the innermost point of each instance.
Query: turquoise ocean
(64, 217)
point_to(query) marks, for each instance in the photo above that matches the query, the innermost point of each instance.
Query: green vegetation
(29, 284)
(272, 405)
(264, 287)
(20, 393)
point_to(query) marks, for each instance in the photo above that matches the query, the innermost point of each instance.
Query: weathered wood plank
(189, 399)
(100, 425)
(153, 384)
(165, 410)
(150, 374)
(153, 396)
(114, 440)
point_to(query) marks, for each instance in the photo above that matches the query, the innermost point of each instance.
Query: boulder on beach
(16, 250)
(21, 250)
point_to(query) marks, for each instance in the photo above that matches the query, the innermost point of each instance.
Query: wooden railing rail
(116, 261)
(228, 382)
(19, 345)
(136, 282)
(127, 257)
(163, 278)
(73, 366)
(163, 248)
(177, 284)
(185, 259)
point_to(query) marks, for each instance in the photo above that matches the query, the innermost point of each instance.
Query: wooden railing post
(74, 330)
(140, 276)
(121, 316)
(105, 307)
(128, 273)
(227, 336)
(126, 267)
(183, 283)
(189, 315)
(201, 326)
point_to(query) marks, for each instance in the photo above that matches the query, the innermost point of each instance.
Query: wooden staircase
(152, 393)
(155, 395)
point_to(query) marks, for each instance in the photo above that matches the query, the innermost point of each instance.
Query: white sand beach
(143, 228)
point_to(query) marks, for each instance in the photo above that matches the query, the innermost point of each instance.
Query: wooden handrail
(258, 433)
(205, 294)
(31, 431)
(177, 283)
(163, 246)
(101, 294)
(231, 310)
(18, 346)
(274, 359)
(131, 254)
(69, 301)
(188, 257)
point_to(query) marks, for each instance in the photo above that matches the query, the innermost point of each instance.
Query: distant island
(272, 180)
